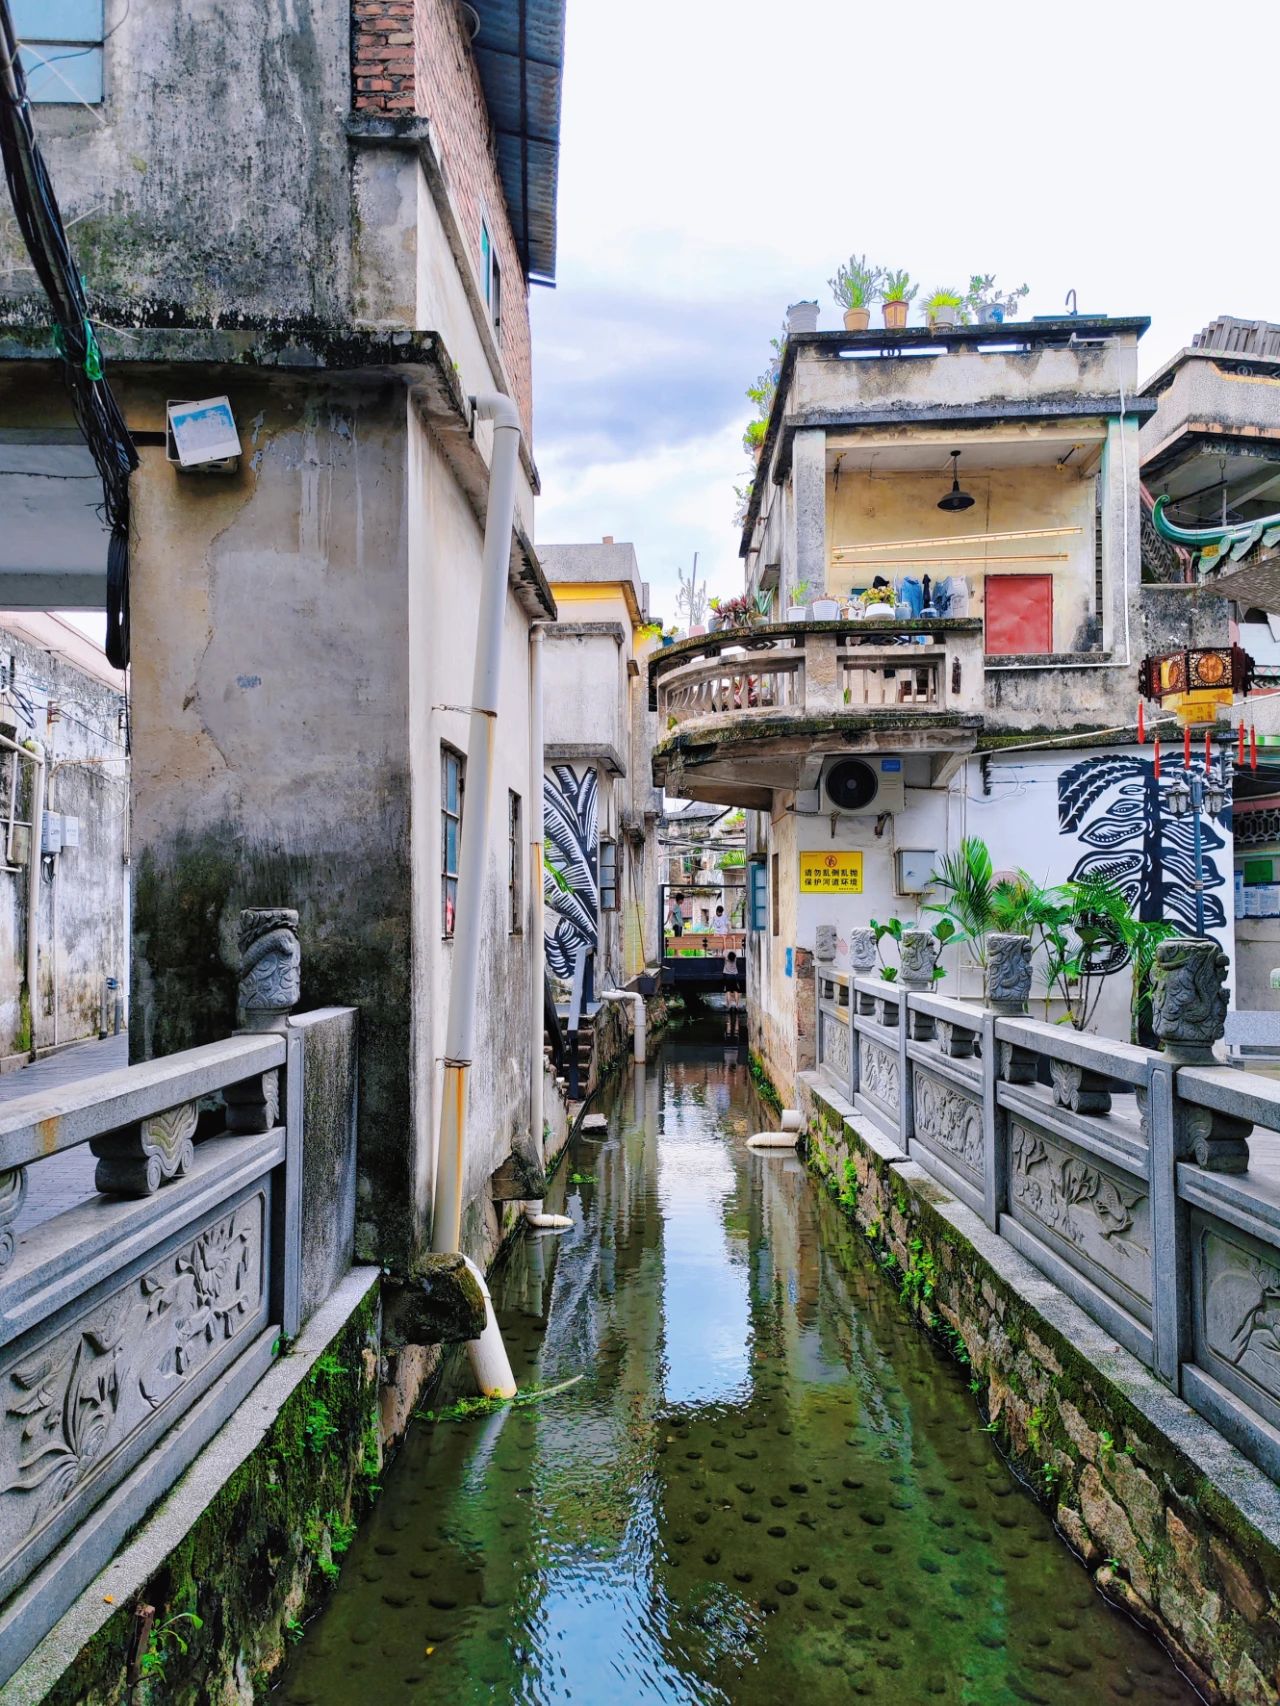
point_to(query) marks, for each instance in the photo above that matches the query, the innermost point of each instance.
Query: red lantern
(1142, 724)
(1186, 748)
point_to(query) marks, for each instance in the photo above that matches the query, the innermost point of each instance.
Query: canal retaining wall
(1175, 1525)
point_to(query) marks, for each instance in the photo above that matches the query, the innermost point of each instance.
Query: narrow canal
(768, 1484)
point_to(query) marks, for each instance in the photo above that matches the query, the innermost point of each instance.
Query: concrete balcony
(742, 714)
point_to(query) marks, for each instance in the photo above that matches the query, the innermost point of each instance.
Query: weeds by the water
(465, 1408)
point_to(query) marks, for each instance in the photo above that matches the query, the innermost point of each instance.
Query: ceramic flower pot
(797, 613)
(945, 316)
(895, 315)
(857, 319)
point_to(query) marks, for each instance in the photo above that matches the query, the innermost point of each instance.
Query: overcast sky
(719, 157)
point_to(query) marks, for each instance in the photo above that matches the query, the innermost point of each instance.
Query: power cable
(39, 219)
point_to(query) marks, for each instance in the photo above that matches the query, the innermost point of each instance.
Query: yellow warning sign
(831, 873)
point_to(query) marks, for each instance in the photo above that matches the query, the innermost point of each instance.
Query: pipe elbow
(495, 406)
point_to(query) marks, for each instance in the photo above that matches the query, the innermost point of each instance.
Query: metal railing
(1122, 1173)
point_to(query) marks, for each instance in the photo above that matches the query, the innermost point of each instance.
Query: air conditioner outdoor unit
(856, 787)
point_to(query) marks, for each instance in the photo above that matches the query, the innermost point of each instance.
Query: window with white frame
(60, 47)
(453, 771)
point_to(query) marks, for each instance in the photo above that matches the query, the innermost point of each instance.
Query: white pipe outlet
(773, 1140)
(639, 1037)
(791, 1119)
(490, 1365)
(536, 1217)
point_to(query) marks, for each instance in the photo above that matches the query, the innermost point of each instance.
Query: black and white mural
(1116, 805)
(570, 885)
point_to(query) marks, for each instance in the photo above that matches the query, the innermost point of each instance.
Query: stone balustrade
(1145, 1183)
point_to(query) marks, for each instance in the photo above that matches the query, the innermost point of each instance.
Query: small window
(774, 919)
(515, 861)
(757, 896)
(608, 876)
(60, 47)
(453, 771)
(490, 275)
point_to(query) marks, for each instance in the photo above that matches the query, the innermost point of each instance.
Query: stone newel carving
(919, 956)
(862, 962)
(270, 967)
(824, 946)
(1008, 976)
(1189, 1003)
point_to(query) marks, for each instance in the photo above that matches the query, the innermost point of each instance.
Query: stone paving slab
(61, 1181)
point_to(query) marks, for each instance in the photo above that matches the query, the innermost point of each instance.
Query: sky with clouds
(719, 157)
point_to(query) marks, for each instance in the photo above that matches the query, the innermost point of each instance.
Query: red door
(1019, 612)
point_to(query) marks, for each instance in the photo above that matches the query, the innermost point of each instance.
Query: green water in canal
(769, 1486)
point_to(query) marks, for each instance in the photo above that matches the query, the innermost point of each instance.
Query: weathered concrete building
(990, 482)
(62, 701)
(333, 223)
(602, 809)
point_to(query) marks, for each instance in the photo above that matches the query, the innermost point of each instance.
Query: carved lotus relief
(878, 1072)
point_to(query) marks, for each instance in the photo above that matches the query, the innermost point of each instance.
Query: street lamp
(1204, 788)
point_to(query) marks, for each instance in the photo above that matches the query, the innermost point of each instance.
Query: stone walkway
(63, 1180)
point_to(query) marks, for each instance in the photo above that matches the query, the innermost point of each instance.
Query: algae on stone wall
(260, 1557)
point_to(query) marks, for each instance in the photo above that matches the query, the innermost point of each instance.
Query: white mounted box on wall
(202, 435)
(913, 868)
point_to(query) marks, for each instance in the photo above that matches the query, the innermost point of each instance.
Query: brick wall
(414, 56)
(382, 65)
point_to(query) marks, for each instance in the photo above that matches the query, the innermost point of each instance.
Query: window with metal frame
(608, 876)
(515, 887)
(757, 896)
(490, 274)
(60, 47)
(453, 773)
(775, 896)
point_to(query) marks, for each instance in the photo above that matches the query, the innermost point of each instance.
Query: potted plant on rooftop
(753, 438)
(877, 602)
(987, 306)
(944, 307)
(798, 609)
(854, 287)
(897, 293)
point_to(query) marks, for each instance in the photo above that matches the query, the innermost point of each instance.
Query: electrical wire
(39, 219)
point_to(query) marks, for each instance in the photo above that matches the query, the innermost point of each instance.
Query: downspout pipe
(638, 1037)
(492, 1372)
(534, 1213)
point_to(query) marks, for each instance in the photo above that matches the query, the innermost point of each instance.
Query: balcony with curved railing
(784, 688)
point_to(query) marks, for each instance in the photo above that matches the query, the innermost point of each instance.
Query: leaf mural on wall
(570, 821)
(1137, 845)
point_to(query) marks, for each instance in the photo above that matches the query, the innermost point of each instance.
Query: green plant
(855, 282)
(919, 1276)
(945, 296)
(847, 1195)
(983, 295)
(764, 604)
(897, 287)
(1035, 1428)
(166, 1639)
(582, 1178)
(318, 1425)
(875, 595)
(294, 1630)
(1051, 1475)
(800, 593)
(753, 438)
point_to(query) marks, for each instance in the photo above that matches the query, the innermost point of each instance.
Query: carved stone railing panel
(1235, 1301)
(1096, 1215)
(949, 1122)
(81, 1403)
(879, 1074)
(834, 1045)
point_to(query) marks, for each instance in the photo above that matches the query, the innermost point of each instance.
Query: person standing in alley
(675, 918)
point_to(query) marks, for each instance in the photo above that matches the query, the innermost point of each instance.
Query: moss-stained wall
(260, 1558)
(1161, 1533)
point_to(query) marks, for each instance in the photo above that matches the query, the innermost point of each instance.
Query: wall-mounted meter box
(70, 831)
(51, 835)
(202, 436)
(915, 866)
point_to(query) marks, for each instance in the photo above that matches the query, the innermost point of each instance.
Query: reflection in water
(768, 1483)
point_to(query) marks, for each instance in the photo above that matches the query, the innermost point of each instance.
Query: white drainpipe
(638, 1040)
(537, 945)
(489, 1361)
